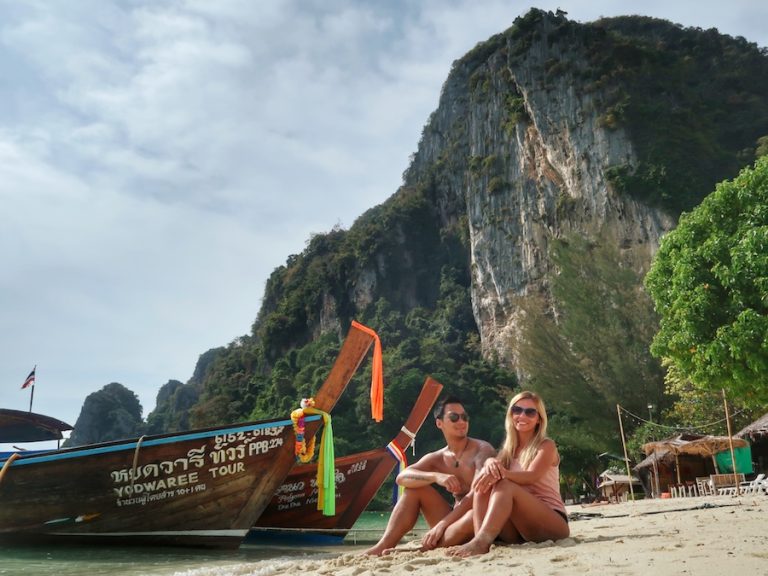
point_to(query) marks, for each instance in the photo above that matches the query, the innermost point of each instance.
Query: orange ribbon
(377, 377)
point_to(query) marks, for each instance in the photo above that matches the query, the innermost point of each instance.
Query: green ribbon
(326, 467)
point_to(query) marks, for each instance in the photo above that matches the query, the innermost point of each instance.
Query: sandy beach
(704, 535)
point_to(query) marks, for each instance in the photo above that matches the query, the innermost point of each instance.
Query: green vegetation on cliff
(418, 302)
(112, 413)
(694, 105)
(694, 102)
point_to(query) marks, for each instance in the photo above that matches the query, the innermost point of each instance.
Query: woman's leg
(489, 522)
(535, 520)
(459, 532)
(479, 508)
(514, 513)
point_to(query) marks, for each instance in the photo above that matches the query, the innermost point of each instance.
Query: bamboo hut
(681, 459)
(757, 435)
(614, 487)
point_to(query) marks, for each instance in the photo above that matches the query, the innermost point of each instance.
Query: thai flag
(30, 379)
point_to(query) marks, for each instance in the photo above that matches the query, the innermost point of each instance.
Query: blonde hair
(511, 442)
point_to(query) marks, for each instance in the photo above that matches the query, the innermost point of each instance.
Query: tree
(762, 147)
(709, 283)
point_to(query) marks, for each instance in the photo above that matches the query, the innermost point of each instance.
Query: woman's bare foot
(472, 548)
(378, 550)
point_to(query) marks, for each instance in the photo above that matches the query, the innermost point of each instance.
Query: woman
(516, 496)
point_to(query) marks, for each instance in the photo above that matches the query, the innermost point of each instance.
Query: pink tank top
(546, 488)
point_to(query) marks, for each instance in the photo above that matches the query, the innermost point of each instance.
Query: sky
(160, 158)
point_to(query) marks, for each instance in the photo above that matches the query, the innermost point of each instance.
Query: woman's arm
(493, 470)
(545, 458)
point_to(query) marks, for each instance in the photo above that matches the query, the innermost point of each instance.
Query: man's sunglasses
(529, 412)
(454, 417)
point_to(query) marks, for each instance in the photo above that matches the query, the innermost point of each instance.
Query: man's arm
(422, 473)
(484, 451)
(427, 471)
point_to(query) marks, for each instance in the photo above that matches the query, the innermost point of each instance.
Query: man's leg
(414, 500)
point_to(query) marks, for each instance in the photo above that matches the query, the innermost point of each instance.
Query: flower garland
(326, 462)
(304, 452)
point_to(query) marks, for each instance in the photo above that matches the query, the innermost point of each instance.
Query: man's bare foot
(472, 548)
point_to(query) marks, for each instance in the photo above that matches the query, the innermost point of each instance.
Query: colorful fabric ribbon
(326, 461)
(402, 462)
(377, 377)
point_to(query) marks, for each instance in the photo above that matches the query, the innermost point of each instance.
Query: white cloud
(158, 159)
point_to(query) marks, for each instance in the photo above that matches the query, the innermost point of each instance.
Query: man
(452, 467)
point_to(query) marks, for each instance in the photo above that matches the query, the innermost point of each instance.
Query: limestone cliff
(532, 155)
(558, 156)
(525, 143)
(112, 413)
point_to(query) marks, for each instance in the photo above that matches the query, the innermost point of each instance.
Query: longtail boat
(292, 513)
(201, 487)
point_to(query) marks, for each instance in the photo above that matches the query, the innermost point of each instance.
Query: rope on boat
(136, 460)
(412, 436)
(7, 465)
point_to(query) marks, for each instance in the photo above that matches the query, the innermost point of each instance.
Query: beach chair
(756, 486)
(705, 488)
(763, 487)
(725, 484)
(684, 489)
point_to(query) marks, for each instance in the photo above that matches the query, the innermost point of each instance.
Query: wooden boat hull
(197, 488)
(292, 512)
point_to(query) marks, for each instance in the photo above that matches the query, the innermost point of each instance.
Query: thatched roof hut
(758, 429)
(694, 445)
(681, 459)
(757, 434)
(614, 486)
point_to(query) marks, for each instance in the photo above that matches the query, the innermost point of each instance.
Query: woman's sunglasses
(454, 417)
(529, 412)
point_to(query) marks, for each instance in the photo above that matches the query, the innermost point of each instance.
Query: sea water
(249, 559)
(135, 561)
(138, 561)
